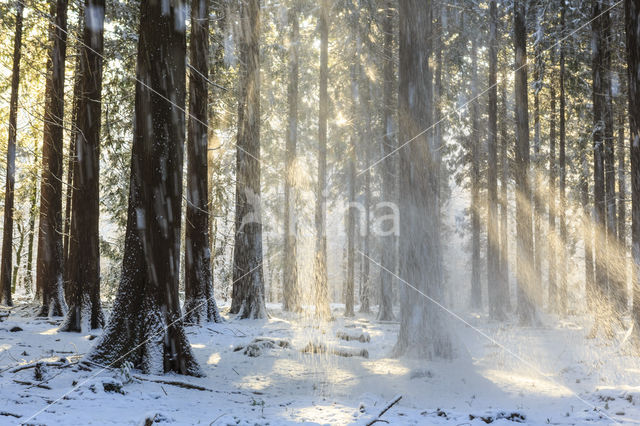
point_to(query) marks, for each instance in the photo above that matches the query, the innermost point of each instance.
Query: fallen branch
(175, 383)
(39, 385)
(8, 414)
(389, 405)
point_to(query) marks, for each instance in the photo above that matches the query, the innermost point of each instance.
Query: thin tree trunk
(525, 267)
(496, 308)
(505, 292)
(476, 281)
(351, 215)
(50, 257)
(320, 265)
(199, 305)
(562, 165)
(385, 312)
(599, 300)
(7, 234)
(536, 192)
(85, 311)
(291, 289)
(622, 296)
(145, 326)
(248, 278)
(33, 211)
(553, 234)
(365, 143)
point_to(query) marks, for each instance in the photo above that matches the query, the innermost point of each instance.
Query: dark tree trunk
(423, 331)
(77, 87)
(85, 311)
(320, 262)
(525, 267)
(49, 261)
(632, 23)
(598, 44)
(7, 235)
(562, 184)
(553, 239)
(622, 298)
(385, 312)
(248, 279)
(145, 327)
(199, 304)
(476, 281)
(536, 193)
(505, 292)
(291, 288)
(496, 307)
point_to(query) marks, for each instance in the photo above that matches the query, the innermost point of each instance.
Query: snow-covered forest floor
(547, 375)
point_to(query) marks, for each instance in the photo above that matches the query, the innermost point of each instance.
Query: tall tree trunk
(7, 234)
(385, 312)
(85, 311)
(525, 267)
(423, 331)
(77, 80)
(291, 288)
(632, 23)
(599, 300)
(536, 166)
(199, 304)
(622, 296)
(33, 211)
(562, 184)
(365, 143)
(248, 278)
(145, 326)
(50, 256)
(613, 269)
(320, 263)
(505, 292)
(553, 234)
(476, 281)
(496, 308)
(351, 215)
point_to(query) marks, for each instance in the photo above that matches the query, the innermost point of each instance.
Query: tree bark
(85, 311)
(291, 288)
(145, 326)
(50, 257)
(562, 184)
(524, 265)
(476, 281)
(320, 264)
(199, 304)
(553, 233)
(632, 23)
(385, 312)
(365, 143)
(7, 233)
(601, 290)
(423, 330)
(505, 293)
(248, 279)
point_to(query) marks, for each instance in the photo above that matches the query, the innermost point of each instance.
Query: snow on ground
(546, 375)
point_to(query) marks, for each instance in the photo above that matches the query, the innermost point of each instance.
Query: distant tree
(562, 177)
(423, 331)
(7, 234)
(49, 272)
(83, 294)
(474, 141)
(199, 304)
(320, 262)
(526, 309)
(291, 289)
(496, 305)
(145, 326)
(385, 313)
(248, 298)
